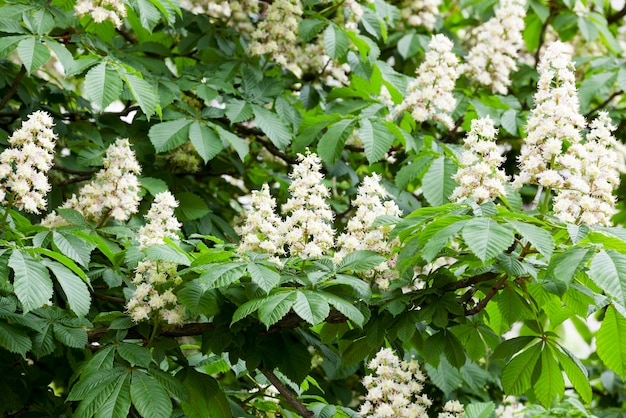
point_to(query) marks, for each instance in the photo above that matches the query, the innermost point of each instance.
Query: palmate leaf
(206, 142)
(331, 143)
(540, 238)
(611, 341)
(335, 41)
(143, 92)
(32, 283)
(118, 403)
(206, 399)
(105, 395)
(32, 53)
(73, 286)
(377, 139)
(168, 135)
(71, 337)
(265, 277)
(275, 129)
(575, 371)
(103, 85)
(14, 339)
(517, 374)
(134, 354)
(486, 238)
(148, 396)
(361, 260)
(479, 410)
(550, 382)
(608, 271)
(72, 246)
(346, 308)
(311, 307)
(275, 307)
(437, 182)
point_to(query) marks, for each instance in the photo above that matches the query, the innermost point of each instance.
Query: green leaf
(102, 85)
(32, 53)
(238, 111)
(190, 207)
(275, 129)
(134, 354)
(198, 301)
(73, 247)
(479, 410)
(221, 275)
(444, 376)
(105, 395)
(205, 141)
(73, 286)
(149, 15)
(14, 339)
(509, 121)
(40, 22)
(331, 143)
(246, 309)
(65, 57)
(346, 308)
(311, 307)
(486, 238)
(361, 260)
(148, 396)
(118, 403)
(540, 238)
(565, 265)
(410, 172)
(93, 382)
(143, 92)
(550, 382)
(63, 260)
(517, 374)
(611, 341)
(437, 241)
(32, 283)
(358, 286)
(409, 45)
(265, 277)
(164, 252)
(377, 139)
(576, 373)
(309, 28)
(597, 84)
(608, 271)
(9, 43)
(206, 399)
(335, 41)
(437, 182)
(239, 145)
(275, 307)
(71, 337)
(169, 135)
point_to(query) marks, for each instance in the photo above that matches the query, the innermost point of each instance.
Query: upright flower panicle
(430, 94)
(260, 229)
(591, 172)
(307, 229)
(113, 192)
(394, 389)
(370, 203)
(155, 279)
(418, 13)
(479, 176)
(102, 10)
(497, 44)
(24, 165)
(554, 122)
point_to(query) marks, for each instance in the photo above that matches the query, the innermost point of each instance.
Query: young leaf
(311, 307)
(266, 278)
(486, 237)
(148, 396)
(205, 141)
(275, 307)
(611, 341)
(102, 85)
(32, 283)
(437, 182)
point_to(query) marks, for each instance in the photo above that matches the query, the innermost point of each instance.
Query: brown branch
(14, 87)
(604, 103)
(72, 171)
(73, 180)
(108, 298)
(616, 16)
(483, 303)
(275, 151)
(287, 394)
(542, 34)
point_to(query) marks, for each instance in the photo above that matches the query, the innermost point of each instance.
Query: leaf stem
(287, 394)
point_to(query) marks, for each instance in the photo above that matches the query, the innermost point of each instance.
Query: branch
(617, 16)
(73, 180)
(14, 87)
(287, 394)
(483, 303)
(542, 34)
(275, 151)
(604, 103)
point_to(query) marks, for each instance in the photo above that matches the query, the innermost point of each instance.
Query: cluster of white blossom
(153, 296)
(307, 228)
(101, 10)
(23, 166)
(429, 96)
(259, 231)
(418, 13)
(497, 44)
(370, 203)
(591, 172)
(278, 35)
(236, 13)
(480, 176)
(510, 408)
(313, 59)
(554, 122)
(113, 192)
(394, 390)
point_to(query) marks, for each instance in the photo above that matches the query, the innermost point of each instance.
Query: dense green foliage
(210, 121)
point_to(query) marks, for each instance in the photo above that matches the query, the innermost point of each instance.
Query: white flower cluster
(153, 296)
(113, 192)
(430, 94)
(307, 229)
(312, 58)
(510, 408)
(479, 176)
(236, 13)
(394, 390)
(23, 166)
(554, 123)
(277, 34)
(418, 13)
(360, 235)
(101, 10)
(497, 44)
(591, 172)
(259, 231)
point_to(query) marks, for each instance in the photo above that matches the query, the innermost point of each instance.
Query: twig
(617, 16)
(14, 87)
(483, 303)
(108, 298)
(287, 394)
(604, 103)
(72, 171)
(275, 151)
(542, 34)
(73, 180)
